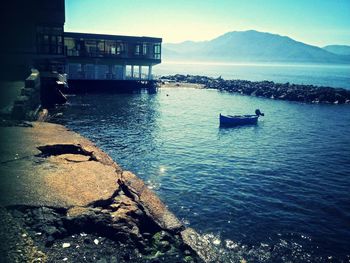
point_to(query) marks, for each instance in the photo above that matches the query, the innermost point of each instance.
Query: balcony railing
(107, 54)
(112, 46)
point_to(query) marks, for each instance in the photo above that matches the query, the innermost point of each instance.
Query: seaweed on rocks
(113, 230)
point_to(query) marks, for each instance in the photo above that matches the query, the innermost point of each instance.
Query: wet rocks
(152, 205)
(269, 89)
(115, 229)
(93, 235)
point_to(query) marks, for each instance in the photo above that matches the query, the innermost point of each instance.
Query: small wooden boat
(236, 120)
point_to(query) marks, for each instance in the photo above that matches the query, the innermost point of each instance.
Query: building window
(120, 48)
(157, 51)
(100, 48)
(137, 49)
(49, 40)
(110, 47)
(144, 49)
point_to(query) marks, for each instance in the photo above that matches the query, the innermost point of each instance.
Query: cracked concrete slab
(64, 179)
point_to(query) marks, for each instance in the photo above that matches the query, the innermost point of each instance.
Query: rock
(50, 230)
(151, 203)
(160, 241)
(201, 246)
(269, 89)
(188, 259)
(65, 245)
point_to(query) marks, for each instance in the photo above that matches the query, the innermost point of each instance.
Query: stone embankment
(26, 105)
(63, 199)
(38, 91)
(269, 89)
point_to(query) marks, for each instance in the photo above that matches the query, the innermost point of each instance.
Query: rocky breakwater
(269, 89)
(63, 199)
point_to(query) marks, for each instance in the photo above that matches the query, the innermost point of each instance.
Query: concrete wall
(25, 105)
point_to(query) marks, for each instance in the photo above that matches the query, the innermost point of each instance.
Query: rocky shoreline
(267, 89)
(63, 199)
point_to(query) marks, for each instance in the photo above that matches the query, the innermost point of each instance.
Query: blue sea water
(275, 191)
(337, 76)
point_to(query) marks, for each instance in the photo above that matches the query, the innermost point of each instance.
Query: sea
(278, 191)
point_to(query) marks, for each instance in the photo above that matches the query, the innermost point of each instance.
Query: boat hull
(229, 121)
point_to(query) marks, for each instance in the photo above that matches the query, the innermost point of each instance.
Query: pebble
(65, 245)
(216, 241)
(96, 241)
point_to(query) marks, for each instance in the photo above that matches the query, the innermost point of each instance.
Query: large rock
(152, 204)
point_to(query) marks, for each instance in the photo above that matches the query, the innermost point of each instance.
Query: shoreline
(172, 85)
(265, 89)
(68, 200)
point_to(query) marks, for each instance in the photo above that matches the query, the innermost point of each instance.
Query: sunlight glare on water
(276, 191)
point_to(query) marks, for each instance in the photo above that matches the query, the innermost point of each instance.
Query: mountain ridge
(250, 46)
(338, 49)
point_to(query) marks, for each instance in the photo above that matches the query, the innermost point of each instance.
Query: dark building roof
(113, 37)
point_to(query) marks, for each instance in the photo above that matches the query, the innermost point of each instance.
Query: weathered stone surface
(53, 181)
(76, 158)
(154, 207)
(202, 246)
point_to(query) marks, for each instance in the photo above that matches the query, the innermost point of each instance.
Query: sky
(315, 22)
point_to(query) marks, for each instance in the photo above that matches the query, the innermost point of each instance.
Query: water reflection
(259, 189)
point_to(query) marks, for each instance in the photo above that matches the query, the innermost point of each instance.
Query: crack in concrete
(60, 149)
(16, 159)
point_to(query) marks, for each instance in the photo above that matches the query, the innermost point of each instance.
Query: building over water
(35, 38)
(95, 56)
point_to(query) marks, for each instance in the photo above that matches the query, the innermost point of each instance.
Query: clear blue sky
(316, 22)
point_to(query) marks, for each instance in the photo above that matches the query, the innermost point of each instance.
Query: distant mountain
(338, 49)
(250, 46)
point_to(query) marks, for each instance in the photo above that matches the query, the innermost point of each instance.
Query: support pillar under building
(83, 72)
(150, 72)
(110, 72)
(95, 71)
(132, 71)
(124, 72)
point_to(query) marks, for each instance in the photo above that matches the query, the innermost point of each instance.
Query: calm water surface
(274, 192)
